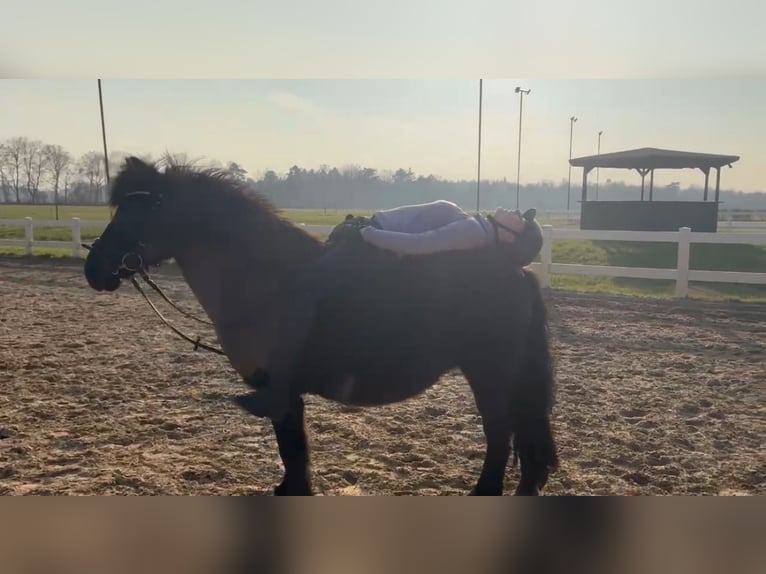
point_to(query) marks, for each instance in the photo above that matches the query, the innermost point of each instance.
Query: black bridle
(132, 262)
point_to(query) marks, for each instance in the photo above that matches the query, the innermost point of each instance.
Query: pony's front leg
(291, 437)
(294, 450)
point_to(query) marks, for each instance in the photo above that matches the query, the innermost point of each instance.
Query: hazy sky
(383, 38)
(428, 125)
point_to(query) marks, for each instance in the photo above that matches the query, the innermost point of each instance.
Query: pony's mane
(197, 184)
(209, 202)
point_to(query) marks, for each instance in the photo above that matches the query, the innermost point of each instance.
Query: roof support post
(717, 183)
(706, 171)
(651, 185)
(642, 172)
(585, 171)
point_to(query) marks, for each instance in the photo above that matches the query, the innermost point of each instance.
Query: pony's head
(178, 211)
(138, 235)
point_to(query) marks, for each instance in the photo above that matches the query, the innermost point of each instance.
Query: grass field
(97, 213)
(629, 254)
(102, 213)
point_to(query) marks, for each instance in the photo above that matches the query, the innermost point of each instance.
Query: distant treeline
(35, 172)
(364, 188)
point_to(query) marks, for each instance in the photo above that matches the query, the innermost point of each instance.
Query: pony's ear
(529, 214)
(139, 174)
(138, 165)
(135, 175)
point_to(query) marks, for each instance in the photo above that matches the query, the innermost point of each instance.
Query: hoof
(527, 491)
(285, 489)
(486, 492)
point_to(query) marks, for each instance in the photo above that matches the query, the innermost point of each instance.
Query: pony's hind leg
(534, 447)
(294, 451)
(531, 401)
(512, 403)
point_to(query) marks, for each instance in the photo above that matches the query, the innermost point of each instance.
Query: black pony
(387, 334)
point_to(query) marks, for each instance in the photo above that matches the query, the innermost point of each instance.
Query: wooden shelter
(651, 215)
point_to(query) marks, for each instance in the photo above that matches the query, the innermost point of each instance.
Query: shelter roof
(648, 158)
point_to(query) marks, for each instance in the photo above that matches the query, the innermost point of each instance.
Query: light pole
(521, 93)
(598, 153)
(478, 168)
(103, 133)
(572, 120)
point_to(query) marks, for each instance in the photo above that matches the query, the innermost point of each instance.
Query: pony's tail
(533, 397)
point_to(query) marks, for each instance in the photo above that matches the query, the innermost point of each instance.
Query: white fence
(75, 224)
(684, 237)
(682, 275)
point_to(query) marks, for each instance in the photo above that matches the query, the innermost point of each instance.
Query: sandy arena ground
(98, 397)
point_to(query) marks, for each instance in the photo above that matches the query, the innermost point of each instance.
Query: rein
(196, 342)
(156, 287)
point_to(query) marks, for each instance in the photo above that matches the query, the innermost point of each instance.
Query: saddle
(348, 229)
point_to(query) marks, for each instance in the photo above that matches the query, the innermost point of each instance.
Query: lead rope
(156, 287)
(196, 342)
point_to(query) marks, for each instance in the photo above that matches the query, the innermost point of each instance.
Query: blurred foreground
(374, 535)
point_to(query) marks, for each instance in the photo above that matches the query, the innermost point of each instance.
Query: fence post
(29, 235)
(682, 279)
(546, 256)
(76, 237)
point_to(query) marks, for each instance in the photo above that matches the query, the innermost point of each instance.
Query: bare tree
(5, 184)
(68, 175)
(11, 159)
(57, 159)
(34, 166)
(91, 167)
